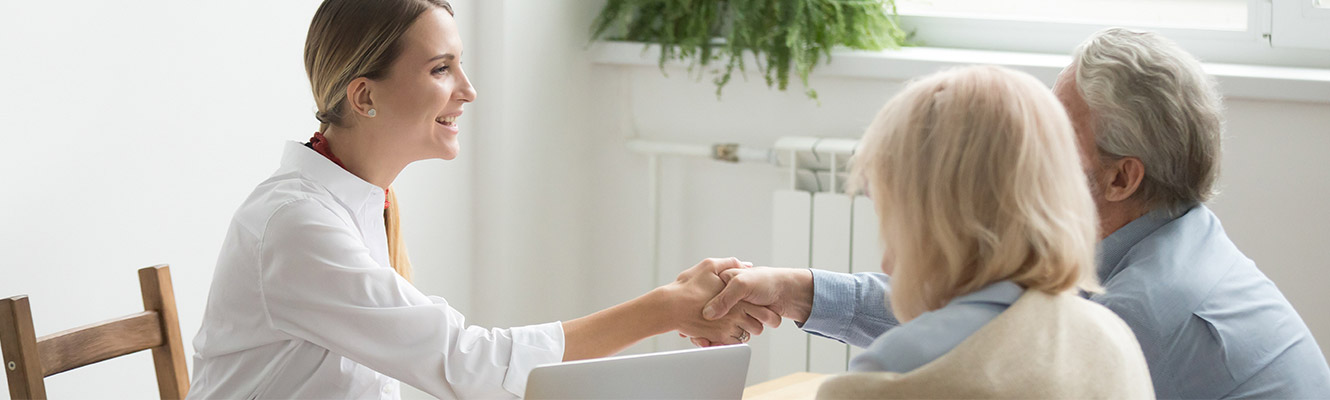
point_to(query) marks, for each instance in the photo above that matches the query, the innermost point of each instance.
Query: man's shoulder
(1177, 266)
(1170, 273)
(1194, 242)
(1189, 292)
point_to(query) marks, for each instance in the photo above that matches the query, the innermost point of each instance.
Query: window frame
(1253, 46)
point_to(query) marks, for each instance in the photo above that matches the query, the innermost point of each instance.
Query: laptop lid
(706, 373)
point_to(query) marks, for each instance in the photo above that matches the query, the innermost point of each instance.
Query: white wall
(530, 174)
(132, 130)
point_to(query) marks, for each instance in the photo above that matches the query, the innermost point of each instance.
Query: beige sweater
(1043, 346)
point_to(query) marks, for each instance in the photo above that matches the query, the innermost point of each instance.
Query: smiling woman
(311, 296)
(327, 55)
(344, 60)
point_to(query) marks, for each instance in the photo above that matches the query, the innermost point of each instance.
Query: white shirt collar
(350, 190)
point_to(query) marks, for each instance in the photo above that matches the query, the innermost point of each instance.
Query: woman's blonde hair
(976, 178)
(350, 39)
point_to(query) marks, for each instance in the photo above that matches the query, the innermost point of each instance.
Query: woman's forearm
(674, 306)
(611, 330)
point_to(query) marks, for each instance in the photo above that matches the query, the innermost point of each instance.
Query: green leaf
(783, 35)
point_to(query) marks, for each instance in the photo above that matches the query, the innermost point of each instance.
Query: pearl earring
(372, 113)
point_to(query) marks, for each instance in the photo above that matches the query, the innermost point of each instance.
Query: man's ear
(358, 97)
(1127, 173)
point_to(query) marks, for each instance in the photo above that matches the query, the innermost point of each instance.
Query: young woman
(990, 231)
(311, 297)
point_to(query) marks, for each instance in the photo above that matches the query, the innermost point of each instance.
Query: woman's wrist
(661, 309)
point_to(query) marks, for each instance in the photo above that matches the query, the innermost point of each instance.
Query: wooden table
(799, 385)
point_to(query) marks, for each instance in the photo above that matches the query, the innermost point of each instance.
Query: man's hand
(786, 291)
(695, 287)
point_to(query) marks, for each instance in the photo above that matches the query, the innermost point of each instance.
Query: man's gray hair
(1151, 100)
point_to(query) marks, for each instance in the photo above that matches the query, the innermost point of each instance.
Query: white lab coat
(304, 304)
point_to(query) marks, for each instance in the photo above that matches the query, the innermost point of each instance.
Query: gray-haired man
(1148, 122)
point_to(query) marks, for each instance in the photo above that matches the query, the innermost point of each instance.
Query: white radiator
(823, 230)
(814, 224)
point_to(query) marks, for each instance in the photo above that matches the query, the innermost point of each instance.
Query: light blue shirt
(934, 333)
(1210, 323)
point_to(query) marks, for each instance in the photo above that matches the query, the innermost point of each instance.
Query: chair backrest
(29, 359)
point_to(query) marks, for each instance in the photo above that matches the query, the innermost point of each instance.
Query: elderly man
(1148, 122)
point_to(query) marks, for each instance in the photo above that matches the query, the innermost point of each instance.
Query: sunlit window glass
(1195, 14)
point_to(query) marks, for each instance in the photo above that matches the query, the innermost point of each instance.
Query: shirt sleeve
(320, 284)
(851, 308)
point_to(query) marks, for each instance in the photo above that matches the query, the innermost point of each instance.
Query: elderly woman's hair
(1151, 100)
(976, 179)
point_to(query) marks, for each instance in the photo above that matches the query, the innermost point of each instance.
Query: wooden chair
(29, 359)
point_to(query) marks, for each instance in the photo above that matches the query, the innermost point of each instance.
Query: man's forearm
(800, 286)
(851, 308)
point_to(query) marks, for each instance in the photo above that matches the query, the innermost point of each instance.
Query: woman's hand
(694, 287)
(676, 306)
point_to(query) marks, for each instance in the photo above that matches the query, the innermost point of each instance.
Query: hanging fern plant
(783, 34)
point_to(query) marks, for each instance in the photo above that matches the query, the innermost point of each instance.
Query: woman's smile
(449, 121)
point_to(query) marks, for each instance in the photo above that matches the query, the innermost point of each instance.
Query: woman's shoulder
(1070, 317)
(285, 196)
(909, 346)
(933, 334)
(1069, 305)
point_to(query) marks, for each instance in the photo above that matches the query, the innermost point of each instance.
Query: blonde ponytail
(392, 222)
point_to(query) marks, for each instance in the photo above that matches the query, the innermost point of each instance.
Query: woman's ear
(358, 97)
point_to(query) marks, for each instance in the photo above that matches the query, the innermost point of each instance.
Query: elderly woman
(990, 231)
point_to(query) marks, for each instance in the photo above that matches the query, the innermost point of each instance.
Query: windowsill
(1236, 81)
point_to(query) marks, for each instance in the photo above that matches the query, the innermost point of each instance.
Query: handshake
(724, 301)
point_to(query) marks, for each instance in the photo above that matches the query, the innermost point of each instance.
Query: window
(1260, 32)
(1195, 14)
(1301, 24)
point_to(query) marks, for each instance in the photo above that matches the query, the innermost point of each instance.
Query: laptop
(706, 373)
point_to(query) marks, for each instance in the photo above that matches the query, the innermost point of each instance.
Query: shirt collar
(354, 193)
(1114, 247)
(1001, 292)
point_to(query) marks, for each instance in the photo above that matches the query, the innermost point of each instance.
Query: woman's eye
(440, 70)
